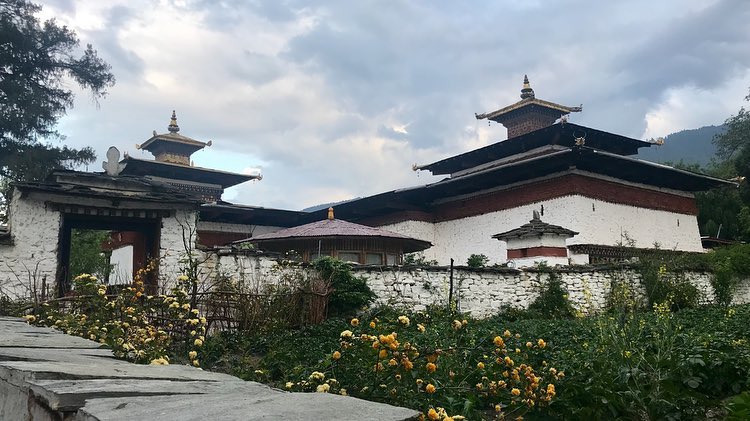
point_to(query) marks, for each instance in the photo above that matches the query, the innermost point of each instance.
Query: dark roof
(562, 134)
(337, 228)
(100, 185)
(535, 228)
(560, 162)
(147, 167)
(168, 138)
(526, 104)
(254, 215)
(5, 237)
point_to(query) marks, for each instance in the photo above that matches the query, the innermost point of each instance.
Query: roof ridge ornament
(330, 214)
(527, 92)
(535, 216)
(173, 127)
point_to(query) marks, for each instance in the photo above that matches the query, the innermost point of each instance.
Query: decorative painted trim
(538, 251)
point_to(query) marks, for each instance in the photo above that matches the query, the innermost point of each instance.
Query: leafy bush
(552, 301)
(663, 286)
(138, 327)
(477, 261)
(637, 365)
(434, 365)
(350, 293)
(730, 265)
(418, 259)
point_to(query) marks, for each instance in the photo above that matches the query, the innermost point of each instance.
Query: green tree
(37, 62)
(86, 255)
(734, 148)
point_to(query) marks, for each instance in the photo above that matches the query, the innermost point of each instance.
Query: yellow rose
(430, 388)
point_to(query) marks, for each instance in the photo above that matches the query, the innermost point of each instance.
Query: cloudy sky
(334, 100)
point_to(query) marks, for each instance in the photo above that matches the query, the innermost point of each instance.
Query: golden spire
(330, 214)
(526, 92)
(173, 127)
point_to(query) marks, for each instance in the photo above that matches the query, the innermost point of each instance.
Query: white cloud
(339, 101)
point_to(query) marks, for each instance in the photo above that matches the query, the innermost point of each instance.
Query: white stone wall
(177, 240)
(598, 222)
(32, 259)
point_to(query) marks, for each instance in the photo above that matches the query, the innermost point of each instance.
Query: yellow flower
(196, 363)
(480, 365)
(541, 343)
(288, 385)
(456, 324)
(323, 388)
(515, 392)
(398, 377)
(499, 342)
(431, 367)
(404, 320)
(342, 392)
(430, 388)
(192, 355)
(30, 318)
(317, 375)
(198, 342)
(420, 327)
(355, 322)
(159, 361)
(186, 306)
(551, 389)
(372, 325)
(506, 333)
(382, 354)
(336, 355)
(432, 414)
(347, 334)
(529, 344)
(392, 362)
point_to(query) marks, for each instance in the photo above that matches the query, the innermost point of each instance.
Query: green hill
(689, 146)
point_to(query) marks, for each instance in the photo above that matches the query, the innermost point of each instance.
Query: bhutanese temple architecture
(586, 185)
(583, 179)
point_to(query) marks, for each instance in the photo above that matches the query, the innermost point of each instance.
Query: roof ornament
(580, 140)
(112, 165)
(173, 127)
(330, 214)
(535, 216)
(526, 92)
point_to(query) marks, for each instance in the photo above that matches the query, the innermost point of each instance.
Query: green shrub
(552, 301)
(350, 293)
(665, 286)
(477, 261)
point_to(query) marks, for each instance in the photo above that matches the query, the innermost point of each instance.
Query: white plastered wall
(32, 259)
(176, 241)
(597, 222)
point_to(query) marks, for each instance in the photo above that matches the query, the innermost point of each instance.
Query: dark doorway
(144, 231)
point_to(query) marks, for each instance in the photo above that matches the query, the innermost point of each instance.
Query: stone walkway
(47, 375)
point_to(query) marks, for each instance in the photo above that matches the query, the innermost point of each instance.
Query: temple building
(586, 180)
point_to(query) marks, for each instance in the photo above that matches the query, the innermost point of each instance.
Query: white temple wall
(420, 230)
(32, 258)
(177, 239)
(598, 222)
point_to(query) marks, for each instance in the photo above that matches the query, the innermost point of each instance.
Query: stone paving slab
(69, 395)
(45, 370)
(53, 354)
(232, 407)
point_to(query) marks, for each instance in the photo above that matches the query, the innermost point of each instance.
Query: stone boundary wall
(484, 292)
(480, 292)
(46, 375)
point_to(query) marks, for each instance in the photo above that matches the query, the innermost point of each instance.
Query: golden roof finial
(173, 127)
(330, 214)
(526, 92)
